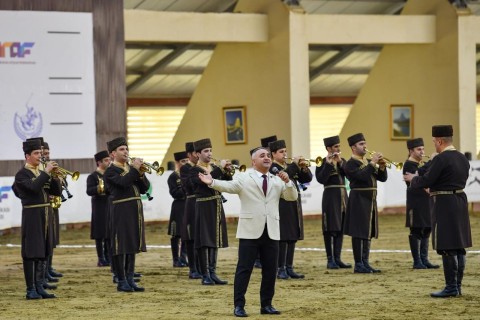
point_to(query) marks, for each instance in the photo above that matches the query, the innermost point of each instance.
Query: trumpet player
(177, 211)
(34, 186)
(99, 220)
(418, 208)
(210, 223)
(126, 183)
(446, 177)
(361, 218)
(334, 202)
(188, 223)
(291, 215)
(51, 275)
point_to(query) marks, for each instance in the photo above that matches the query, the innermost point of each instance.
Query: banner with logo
(78, 208)
(47, 82)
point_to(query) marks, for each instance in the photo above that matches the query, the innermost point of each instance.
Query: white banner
(78, 209)
(47, 77)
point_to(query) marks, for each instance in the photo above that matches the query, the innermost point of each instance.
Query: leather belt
(437, 193)
(41, 205)
(335, 186)
(209, 198)
(126, 199)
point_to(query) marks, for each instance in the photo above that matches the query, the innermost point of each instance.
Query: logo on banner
(28, 125)
(3, 194)
(15, 49)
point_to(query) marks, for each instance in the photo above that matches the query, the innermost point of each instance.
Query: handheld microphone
(275, 170)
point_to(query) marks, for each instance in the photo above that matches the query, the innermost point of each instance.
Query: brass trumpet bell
(149, 167)
(241, 168)
(318, 161)
(64, 173)
(389, 163)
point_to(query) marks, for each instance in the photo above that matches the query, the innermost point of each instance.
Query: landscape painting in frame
(235, 126)
(401, 122)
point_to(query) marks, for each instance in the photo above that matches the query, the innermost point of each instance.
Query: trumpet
(241, 168)
(63, 173)
(318, 161)
(101, 186)
(149, 167)
(389, 163)
(55, 202)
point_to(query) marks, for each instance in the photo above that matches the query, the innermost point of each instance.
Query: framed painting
(235, 125)
(401, 121)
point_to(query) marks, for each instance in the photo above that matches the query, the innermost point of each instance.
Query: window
(150, 130)
(325, 121)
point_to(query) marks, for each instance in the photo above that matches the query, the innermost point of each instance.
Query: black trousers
(247, 252)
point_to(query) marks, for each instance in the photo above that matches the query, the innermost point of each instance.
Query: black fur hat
(99, 156)
(442, 131)
(202, 144)
(413, 143)
(331, 141)
(115, 143)
(355, 138)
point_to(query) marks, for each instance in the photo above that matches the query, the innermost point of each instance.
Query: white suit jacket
(256, 208)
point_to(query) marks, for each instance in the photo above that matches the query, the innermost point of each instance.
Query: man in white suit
(258, 225)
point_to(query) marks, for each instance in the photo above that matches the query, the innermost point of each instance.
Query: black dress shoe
(240, 312)
(54, 273)
(269, 310)
(194, 275)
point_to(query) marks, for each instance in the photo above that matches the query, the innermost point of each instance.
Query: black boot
(183, 253)
(51, 270)
(462, 261)
(337, 251)
(282, 261)
(289, 263)
(174, 245)
(212, 266)
(192, 257)
(357, 245)
(414, 248)
(327, 239)
(29, 272)
(106, 251)
(40, 266)
(450, 269)
(366, 255)
(203, 258)
(130, 271)
(100, 253)
(120, 265)
(282, 273)
(424, 254)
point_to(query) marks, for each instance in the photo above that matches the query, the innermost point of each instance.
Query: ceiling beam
(362, 48)
(186, 27)
(163, 46)
(382, 29)
(158, 66)
(165, 71)
(345, 52)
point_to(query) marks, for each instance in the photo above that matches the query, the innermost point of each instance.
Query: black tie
(264, 185)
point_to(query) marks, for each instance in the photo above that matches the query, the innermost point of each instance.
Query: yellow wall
(243, 74)
(424, 75)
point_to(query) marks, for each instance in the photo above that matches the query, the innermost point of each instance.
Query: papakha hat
(355, 138)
